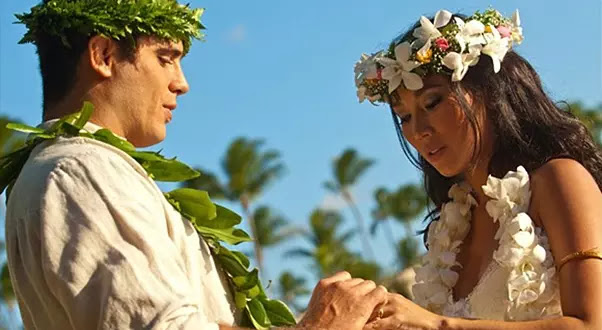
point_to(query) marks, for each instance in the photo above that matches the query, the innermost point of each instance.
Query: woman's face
(433, 122)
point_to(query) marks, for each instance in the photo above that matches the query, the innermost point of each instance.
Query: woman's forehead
(401, 95)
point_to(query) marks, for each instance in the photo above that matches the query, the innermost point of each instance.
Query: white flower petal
(412, 81)
(425, 48)
(394, 82)
(516, 18)
(447, 258)
(526, 297)
(473, 27)
(539, 253)
(452, 60)
(403, 52)
(439, 298)
(449, 277)
(387, 62)
(523, 238)
(442, 18)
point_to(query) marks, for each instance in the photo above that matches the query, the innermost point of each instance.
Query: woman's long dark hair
(530, 128)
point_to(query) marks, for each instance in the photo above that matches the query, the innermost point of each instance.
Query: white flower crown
(442, 46)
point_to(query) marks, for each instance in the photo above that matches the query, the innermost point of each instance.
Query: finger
(377, 296)
(364, 287)
(340, 276)
(353, 282)
(384, 323)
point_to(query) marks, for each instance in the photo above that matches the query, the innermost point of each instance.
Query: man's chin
(150, 139)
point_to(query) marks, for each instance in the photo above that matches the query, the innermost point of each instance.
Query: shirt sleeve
(107, 253)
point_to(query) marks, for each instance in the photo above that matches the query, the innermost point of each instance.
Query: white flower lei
(532, 286)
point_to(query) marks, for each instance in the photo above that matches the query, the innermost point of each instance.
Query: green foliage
(403, 205)
(117, 19)
(8, 294)
(291, 287)
(272, 228)
(590, 117)
(347, 168)
(407, 252)
(214, 223)
(328, 252)
(250, 169)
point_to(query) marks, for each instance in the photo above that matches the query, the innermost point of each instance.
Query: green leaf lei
(117, 19)
(214, 223)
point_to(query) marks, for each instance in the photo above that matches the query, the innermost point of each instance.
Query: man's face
(147, 89)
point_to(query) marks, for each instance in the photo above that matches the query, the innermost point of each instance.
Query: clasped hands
(346, 303)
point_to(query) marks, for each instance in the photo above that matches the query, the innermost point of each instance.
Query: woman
(516, 232)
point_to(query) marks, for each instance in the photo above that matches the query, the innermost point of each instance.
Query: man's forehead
(158, 43)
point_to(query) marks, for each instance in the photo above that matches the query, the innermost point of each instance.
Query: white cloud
(332, 202)
(237, 33)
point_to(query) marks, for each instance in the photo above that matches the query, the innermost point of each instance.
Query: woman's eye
(404, 119)
(432, 102)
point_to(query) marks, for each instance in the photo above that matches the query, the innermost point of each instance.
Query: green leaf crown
(116, 19)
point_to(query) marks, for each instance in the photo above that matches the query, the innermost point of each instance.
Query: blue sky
(283, 71)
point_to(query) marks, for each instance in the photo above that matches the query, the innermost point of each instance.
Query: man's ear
(103, 54)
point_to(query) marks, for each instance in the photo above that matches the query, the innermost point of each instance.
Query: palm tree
(592, 118)
(407, 252)
(347, 168)
(328, 251)
(327, 245)
(249, 171)
(403, 205)
(271, 230)
(291, 287)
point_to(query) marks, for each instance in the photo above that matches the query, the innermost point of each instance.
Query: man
(91, 241)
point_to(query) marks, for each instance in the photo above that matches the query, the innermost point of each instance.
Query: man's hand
(342, 302)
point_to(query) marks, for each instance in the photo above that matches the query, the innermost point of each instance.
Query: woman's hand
(401, 313)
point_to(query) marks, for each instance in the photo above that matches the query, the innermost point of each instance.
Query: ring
(380, 313)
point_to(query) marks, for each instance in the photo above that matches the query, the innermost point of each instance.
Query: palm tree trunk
(360, 222)
(244, 201)
(389, 232)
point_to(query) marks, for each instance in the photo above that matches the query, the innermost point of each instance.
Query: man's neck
(100, 116)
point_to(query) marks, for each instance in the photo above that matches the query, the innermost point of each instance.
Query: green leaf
(231, 236)
(162, 169)
(231, 265)
(107, 136)
(84, 115)
(24, 128)
(278, 313)
(248, 281)
(240, 299)
(244, 260)
(194, 203)
(258, 314)
(225, 219)
(11, 166)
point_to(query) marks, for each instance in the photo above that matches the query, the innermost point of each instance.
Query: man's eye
(165, 60)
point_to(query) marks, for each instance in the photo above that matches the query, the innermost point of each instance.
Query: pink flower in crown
(442, 43)
(379, 74)
(504, 31)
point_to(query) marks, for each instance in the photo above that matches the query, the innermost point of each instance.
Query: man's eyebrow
(169, 51)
